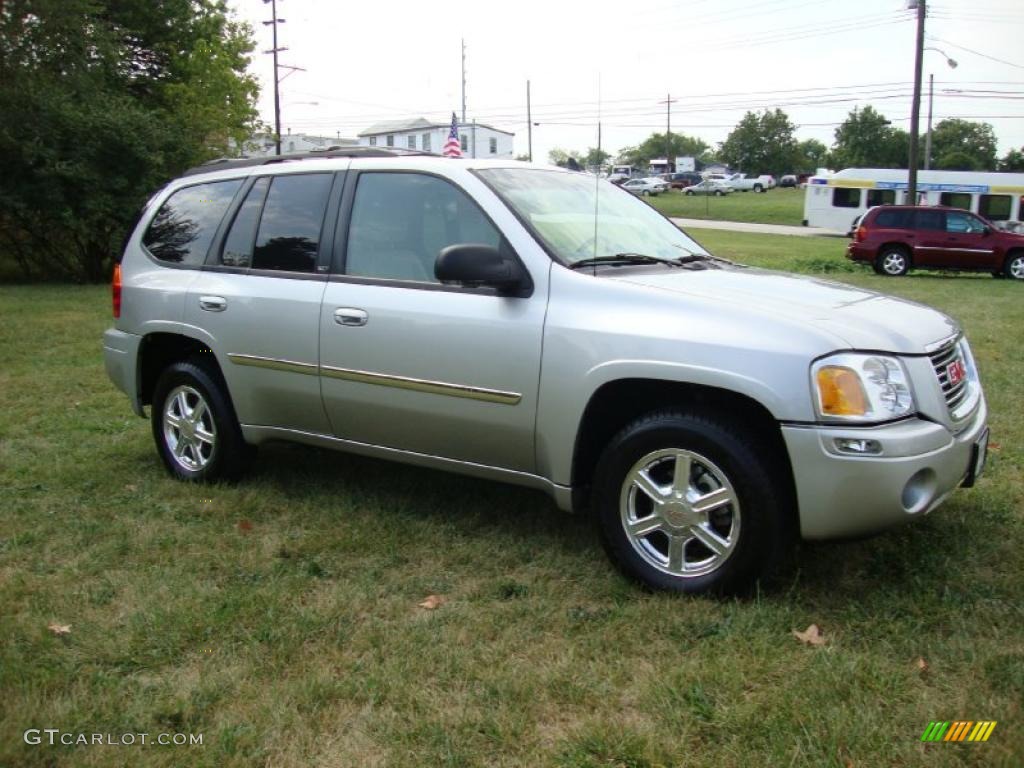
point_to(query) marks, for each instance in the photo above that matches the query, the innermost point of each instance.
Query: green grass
(776, 206)
(278, 617)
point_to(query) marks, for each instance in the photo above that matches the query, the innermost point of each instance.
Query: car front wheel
(687, 503)
(718, 193)
(194, 425)
(1014, 267)
(893, 261)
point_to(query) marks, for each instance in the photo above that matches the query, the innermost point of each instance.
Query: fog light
(857, 446)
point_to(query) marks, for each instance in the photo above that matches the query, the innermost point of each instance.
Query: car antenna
(597, 173)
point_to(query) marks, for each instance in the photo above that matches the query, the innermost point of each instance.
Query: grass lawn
(776, 206)
(278, 617)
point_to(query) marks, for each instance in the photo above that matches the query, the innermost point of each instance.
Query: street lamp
(931, 94)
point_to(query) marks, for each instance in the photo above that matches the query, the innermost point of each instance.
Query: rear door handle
(350, 316)
(213, 303)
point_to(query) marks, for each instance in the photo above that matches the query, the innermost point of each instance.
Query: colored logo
(956, 372)
(959, 730)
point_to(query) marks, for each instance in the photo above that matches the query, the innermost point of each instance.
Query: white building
(477, 139)
(262, 144)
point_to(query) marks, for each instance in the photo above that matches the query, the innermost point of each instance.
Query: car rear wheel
(688, 503)
(718, 193)
(1014, 267)
(688, 193)
(892, 261)
(758, 188)
(194, 426)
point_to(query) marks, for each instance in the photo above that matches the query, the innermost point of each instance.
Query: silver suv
(543, 328)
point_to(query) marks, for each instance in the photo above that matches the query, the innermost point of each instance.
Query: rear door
(258, 299)
(929, 238)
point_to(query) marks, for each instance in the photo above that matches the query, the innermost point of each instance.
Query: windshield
(560, 208)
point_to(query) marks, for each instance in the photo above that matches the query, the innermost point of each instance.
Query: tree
(866, 139)
(761, 143)
(962, 145)
(103, 102)
(810, 156)
(595, 158)
(560, 157)
(679, 145)
(1014, 160)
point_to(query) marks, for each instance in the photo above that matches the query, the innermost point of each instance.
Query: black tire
(688, 193)
(227, 455)
(711, 445)
(758, 188)
(1014, 266)
(646, 193)
(718, 193)
(892, 261)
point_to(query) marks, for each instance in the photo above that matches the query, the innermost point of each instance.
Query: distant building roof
(417, 124)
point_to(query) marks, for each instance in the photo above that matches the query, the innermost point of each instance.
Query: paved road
(764, 229)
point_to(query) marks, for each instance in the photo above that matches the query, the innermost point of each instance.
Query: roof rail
(225, 163)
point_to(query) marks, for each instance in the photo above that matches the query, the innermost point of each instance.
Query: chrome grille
(955, 394)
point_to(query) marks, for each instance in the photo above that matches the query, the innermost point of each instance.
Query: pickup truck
(543, 328)
(740, 182)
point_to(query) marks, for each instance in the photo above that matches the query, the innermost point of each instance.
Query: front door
(968, 242)
(411, 364)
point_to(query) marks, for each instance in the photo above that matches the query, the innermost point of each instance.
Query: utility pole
(928, 135)
(529, 125)
(668, 102)
(915, 108)
(463, 80)
(277, 93)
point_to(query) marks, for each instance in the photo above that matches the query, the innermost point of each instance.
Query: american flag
(452, 147)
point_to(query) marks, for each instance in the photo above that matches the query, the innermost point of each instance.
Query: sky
(616, 62)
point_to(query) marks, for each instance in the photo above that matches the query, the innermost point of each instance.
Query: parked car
(474, 316)
(740, 182)
(789, 180)
(648, 186)
(683, 179)
(897, 238)
(708, 187)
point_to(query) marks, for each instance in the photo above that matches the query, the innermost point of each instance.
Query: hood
(863, 319)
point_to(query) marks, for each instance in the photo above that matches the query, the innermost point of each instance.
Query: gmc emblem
(955, 372)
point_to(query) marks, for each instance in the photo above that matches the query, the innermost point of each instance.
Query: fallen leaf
(994, 447)
(433, 602)
(921, 664)
(244, 526)
(812, 635)
(59, 629)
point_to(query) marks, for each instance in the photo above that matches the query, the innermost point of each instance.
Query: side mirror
(478, 264)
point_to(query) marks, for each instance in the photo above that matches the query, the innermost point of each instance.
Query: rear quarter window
(183, 228)
(893, 220)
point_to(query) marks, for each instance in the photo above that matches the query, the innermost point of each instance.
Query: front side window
(995, 207)
(401, 221)
(183, 228)
(843, 197)
(289, 233)
(963, 223)
(560, 208)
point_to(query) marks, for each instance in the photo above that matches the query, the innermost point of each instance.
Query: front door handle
(213, 303)
(350, 316)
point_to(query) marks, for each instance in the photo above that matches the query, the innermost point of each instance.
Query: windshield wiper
(624, 258)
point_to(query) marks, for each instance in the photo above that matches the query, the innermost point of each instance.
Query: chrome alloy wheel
(189, 431)
(680, 513)
(894, 263)
(1015, 268)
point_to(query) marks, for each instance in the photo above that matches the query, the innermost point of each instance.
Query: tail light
(861, 234)
(115, 290)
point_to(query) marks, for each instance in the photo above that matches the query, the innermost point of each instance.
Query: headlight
(859, 387)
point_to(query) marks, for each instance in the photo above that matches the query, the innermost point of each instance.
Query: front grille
(955, 394)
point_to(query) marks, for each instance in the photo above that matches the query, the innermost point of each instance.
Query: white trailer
(836, 200)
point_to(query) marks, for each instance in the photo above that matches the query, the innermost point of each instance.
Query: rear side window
(893, 220)
(881, 197)
(932, 220)
(241, 239)
(183, 228)
(845, 198)
(293, 214)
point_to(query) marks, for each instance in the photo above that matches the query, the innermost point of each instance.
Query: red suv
(896, 238)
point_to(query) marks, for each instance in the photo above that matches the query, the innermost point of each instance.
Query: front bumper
(120, 356)
(842, 495)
